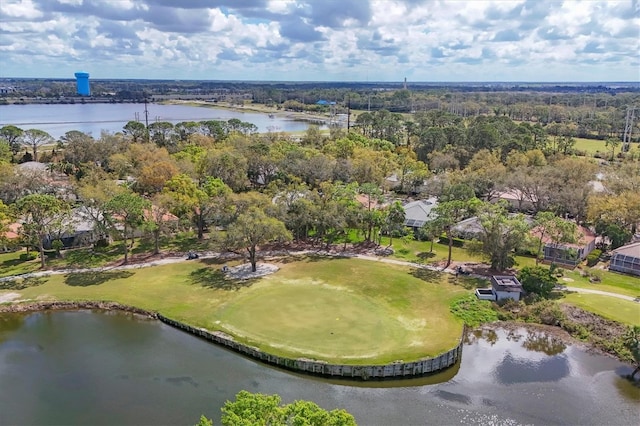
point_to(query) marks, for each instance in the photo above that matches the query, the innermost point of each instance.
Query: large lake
(57, 119)
(83, 367)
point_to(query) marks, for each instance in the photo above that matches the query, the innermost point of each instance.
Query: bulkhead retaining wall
(395, 370)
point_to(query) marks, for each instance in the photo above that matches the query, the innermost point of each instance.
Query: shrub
(27, 256)
(457, 242)
(593, 257)
(473, 311)
(538, 280)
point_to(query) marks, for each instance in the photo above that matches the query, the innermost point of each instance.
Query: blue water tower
(82, 80)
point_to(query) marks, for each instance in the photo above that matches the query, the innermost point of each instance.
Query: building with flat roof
(506, 287)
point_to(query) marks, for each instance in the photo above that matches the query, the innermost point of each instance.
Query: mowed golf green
(345, 310)
(337, 310)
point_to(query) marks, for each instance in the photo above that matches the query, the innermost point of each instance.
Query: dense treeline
(317, 187)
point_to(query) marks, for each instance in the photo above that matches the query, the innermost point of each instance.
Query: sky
(322, 40)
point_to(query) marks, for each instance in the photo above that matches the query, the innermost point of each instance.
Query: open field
(626, 312)
(377, 313)
(591, 146)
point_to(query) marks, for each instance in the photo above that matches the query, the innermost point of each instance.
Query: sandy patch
(569, 280)
(244, 272)
(4, 298)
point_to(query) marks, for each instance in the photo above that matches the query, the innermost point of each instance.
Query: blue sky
(322, 40)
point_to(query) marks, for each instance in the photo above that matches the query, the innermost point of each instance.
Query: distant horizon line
(401, 82)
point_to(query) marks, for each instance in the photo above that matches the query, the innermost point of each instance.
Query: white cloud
(301, 40)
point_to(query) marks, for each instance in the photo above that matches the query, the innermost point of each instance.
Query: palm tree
(632, 342)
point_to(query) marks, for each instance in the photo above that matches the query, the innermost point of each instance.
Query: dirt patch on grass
(4, 298)
(601, 327)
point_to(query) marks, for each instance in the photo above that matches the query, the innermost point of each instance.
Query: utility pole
(628, 129)
(348, 112)
(146, 113)
(146, 119)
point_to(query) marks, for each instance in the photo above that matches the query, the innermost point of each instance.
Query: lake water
(57, 119)
(83, 367)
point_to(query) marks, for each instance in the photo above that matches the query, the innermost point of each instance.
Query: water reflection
(124, 370)
(542, 342)
(538, 358)
(514, 369)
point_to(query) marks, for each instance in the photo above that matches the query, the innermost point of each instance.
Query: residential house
(471, 228)
(568, 254)
(626, 259)
(11, 237)
(516, 200)
(417, 213)
(78, 229)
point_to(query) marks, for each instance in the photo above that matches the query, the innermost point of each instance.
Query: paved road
(600, 292)
(210, 255)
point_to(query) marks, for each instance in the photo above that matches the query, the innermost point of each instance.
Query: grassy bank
(622, 311)
(338, 310)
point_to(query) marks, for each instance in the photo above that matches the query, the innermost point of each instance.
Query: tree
(252, 229)
(6, 217)
(371, 215)
(42, 215)
(449, 213)
(159, 219)
(227, 164)
(13, 136)
(501, 234)
(258, 409)
(161, 133)
(205, 203)
(612, 144)
(137, 131)
(95, 192)
(125, 213)
(5, 152)
(35, 138)
(631, 341)
(549, 227)
(153, 176)
(395, 217)
(538, 280)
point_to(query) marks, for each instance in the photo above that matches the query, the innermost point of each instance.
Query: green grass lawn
(420, 252)
(377, 312)
(10, 264)
(591, 146)
(626, 312)
(611, 281)
(87, 257)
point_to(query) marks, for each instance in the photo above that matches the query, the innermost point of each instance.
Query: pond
(94, 367)
(57, 119)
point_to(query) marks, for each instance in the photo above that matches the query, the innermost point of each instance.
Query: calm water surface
(93, 118)
(83, 367)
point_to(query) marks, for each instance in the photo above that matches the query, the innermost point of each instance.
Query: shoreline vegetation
(314, 118)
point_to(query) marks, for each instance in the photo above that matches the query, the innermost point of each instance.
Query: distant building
(626, 259)
(82, 83)
(417, 213)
